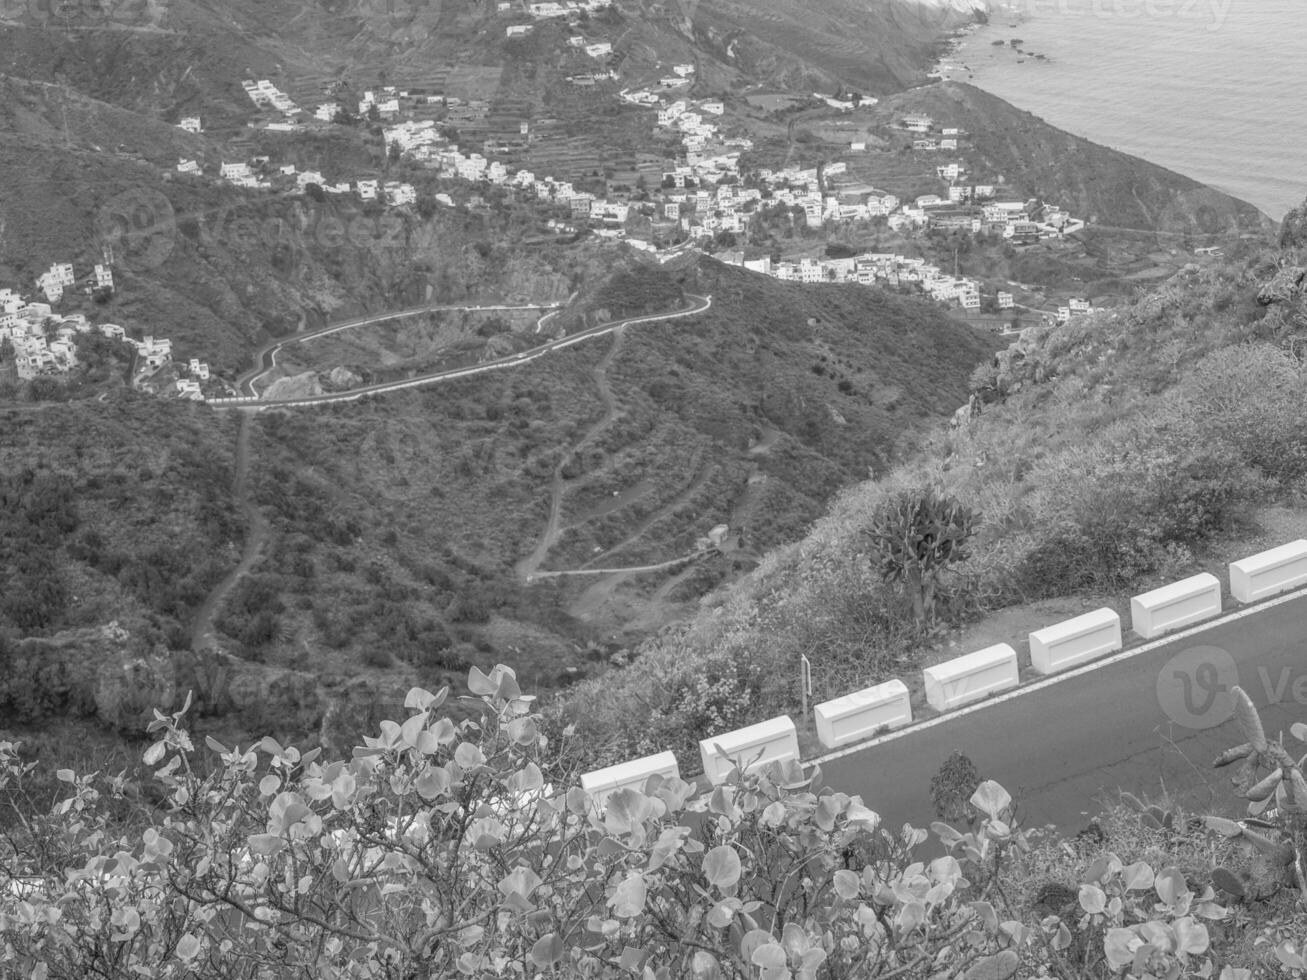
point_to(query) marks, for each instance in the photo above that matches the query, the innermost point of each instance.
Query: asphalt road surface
(1148, 723)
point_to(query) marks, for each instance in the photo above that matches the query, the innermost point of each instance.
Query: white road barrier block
(1269, 572)
(858, 715)
(1075, 641)
(977, 675)
(773, 740)
(602, 783)
(1178, 604)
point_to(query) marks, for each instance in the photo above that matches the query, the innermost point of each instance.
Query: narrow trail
(666, 510)
(527, 567)
(633, 570)
(204, 634)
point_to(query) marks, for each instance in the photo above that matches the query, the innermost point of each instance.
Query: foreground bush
(442, 849)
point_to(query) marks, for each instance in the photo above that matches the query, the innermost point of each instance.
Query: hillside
(1108, 454)
(406, 531)
(1110, 189)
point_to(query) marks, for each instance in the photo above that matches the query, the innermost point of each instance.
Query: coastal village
(44, 342)
(701, 198)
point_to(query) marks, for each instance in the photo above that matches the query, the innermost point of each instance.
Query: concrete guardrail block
(977, 675)
(1179, 604)
(1074, 641)
(858, 715)
(1269, 572)
(602, 783)
(773, 740)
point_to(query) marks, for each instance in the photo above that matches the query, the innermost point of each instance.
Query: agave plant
(1272, 782)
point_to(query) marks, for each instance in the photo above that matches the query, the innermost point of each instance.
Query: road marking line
(1039, 685)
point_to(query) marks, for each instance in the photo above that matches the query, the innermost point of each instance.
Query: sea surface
(1213, 89)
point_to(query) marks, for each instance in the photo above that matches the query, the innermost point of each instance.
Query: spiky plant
(1272, 782)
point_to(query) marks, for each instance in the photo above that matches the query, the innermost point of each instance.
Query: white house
(191, 124)
(685, 71)
(235, 171)
(599, 49)
(327, 112)
(518, 30)
(367, 190)
(1005, 301)
(103, 277)
(187, 167)
(399, 194)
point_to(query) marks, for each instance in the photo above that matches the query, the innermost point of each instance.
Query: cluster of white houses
(869, 268)
(43, 341)
(60, 277)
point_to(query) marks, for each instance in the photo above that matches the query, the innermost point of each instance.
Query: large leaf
(1119, 947)
(628, 899)
(520, 881)
(769, 956)
(847, 884)
(1093, 899)
(1000, 966)
(547, 950)
(991, 799)
(1138, 876)
(1190, 936)
(1170, 885)
(721, 866)
(1224, 827)
(754, 939)
(479, 684)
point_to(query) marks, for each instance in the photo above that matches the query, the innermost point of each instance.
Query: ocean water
(1213, 89)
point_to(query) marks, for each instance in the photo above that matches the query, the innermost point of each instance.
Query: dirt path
(528, 566)
(671, 507)
(204, 634)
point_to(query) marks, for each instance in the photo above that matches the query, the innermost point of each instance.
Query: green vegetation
(1107, 454)
(463, 848)
(113, 510)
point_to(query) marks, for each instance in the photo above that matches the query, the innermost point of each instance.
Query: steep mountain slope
(399, 527)
(1111, 453)
(1106, 187)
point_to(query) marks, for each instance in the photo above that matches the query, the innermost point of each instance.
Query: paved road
(265, 358)
(1061, 748)
(697, 305)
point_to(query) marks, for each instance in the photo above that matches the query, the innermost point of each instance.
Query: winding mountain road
(265, 358)
(697, 305)
(1064, 745)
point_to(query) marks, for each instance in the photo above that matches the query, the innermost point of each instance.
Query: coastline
(1150, 90)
